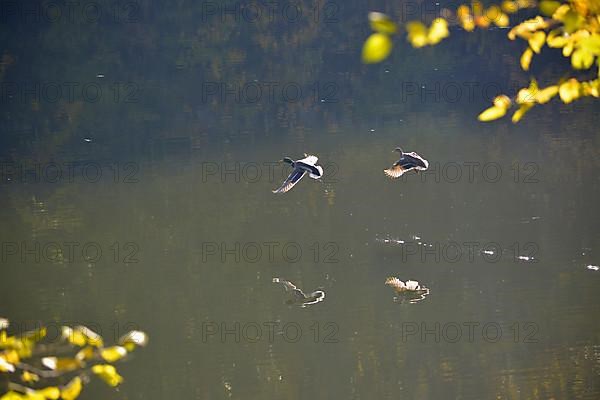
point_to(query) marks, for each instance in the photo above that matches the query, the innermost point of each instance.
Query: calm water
(165, 220)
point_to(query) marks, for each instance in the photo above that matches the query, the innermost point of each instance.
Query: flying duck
(301, 167)
(407, 162)
(298, 296)
(411, 289)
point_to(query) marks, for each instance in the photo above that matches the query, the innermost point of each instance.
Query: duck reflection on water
(409, 291)
(297, 296)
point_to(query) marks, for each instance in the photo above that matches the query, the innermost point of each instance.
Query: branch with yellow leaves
(37, 377)
(573, 26)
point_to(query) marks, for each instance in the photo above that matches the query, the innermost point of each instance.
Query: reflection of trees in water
(174, 68)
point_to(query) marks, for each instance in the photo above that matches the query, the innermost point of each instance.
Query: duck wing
(309, 159)
(315, 171)
(291, 180)
(395, 171)
(415, 161)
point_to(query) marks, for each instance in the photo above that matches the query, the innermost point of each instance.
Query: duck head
(288, 160)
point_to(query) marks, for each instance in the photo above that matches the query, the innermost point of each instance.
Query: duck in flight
(301, 167)
(407, 162)
(297, 296)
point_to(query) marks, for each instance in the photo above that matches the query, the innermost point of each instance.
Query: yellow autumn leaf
(526, 96)
(591, 43)
(72, 389)
(492, 13)
(526, 28)
(569, 90)
(509, 7)
(376, 48)
(556, 39)
(11, 356)
(502, 21)
(108, 374)
(568, 49)
(417, 33)
(465, 18)
(132, 339)
(50, 393)
(85, 353)
(520, 112)
(29, 377)
(89, 336)
(73, 337)
(545, 95)
(437, 31)
(526, 3)
(112, 354)
(12, 396)
(526, 59)
(582, 59)
(62, 363)
(560, 13)
(482, 22)
(382, 23)
(502, 101)
(5, 366)
(591, 88)
(492, 113)
(537, 40)
(548, 7)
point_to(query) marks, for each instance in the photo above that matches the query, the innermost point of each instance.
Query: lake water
(139, 151)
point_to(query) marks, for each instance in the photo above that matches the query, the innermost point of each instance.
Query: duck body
(407, 162)
(307, 165)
